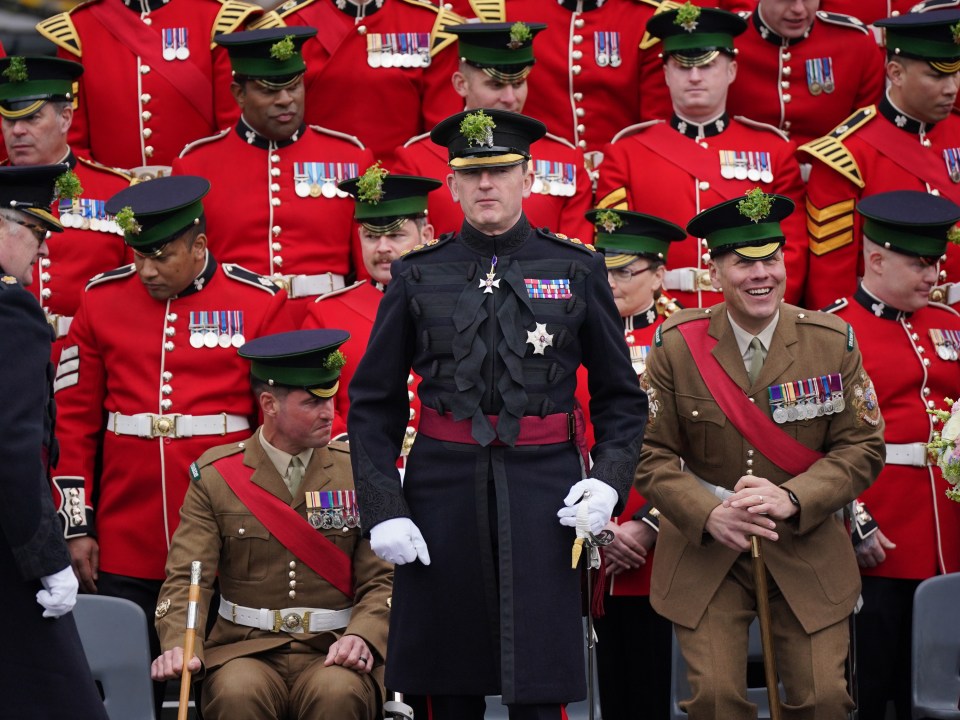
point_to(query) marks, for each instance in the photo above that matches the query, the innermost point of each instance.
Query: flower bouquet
(944, 450)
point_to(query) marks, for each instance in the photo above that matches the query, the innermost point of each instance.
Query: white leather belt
(60, 324)
(291, 620)
(688, 280)
(148, 425)
(913, 454)
(298, 286)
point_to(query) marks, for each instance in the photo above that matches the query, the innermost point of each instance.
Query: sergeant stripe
(829, 228)
(490, 10)
(616, 199)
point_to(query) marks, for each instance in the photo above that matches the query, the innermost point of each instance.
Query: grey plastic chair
(936, 649)
(114, 636)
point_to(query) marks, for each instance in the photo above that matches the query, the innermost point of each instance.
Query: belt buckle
(53, 320)
(285, 282)
(164, 425)
(291, 622)
(702, 280)
(938, 294)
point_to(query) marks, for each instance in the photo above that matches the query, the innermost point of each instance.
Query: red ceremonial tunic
(808, 85)
(562, 192)
(134, 107)
(273, 207)
(128, 353)
(653, 168)
(873, 151)
(399, 98)
(868, 10)
(909, 501)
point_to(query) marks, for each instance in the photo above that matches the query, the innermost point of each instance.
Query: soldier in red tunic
(495, 62)
(911, 141)
(702, 156)
(907, 527)
(391, 220)
(36, 106)
(274, 179)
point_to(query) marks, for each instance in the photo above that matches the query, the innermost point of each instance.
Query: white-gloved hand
(59, 593)
(399, 541)
(599, 498)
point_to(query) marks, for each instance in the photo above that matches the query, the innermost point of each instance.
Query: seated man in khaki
(302, 626)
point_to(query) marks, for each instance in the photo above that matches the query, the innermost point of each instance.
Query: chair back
(935, 665)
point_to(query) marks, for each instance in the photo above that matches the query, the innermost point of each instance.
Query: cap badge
(477, 127)
(17, 71)
(609, 221)
(953, 235)
(283, 50)
(127, 222)
(335, 361)
(955, 30)
(370, 185)
(687, 15)
(519, 34)
(756, 206)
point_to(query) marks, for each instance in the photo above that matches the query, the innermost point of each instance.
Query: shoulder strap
(759, 430)
(286, 524)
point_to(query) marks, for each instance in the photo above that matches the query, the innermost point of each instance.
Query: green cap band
(907, 239)
(697, 41)
(495, 56)
(293, 376)
(170, 226)
(744, 235)
(413, 205)
(632, 244)
(924, 48)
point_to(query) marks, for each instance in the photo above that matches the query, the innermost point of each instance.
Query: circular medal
(425, 59)
(386, 60)
(753, 175)
(351, 521)
(839, 404)
(337, 520)
(537, 186)
(603, 60)
(780, 415)
(815, 88)
(94, 224)
(85, 223)
(315, 520)
(955, 175)
(196, 340)
(792, 413)
(953, 353)
(406, 60)
(210, 339)
(316, 190)
(615, 60)
(943, 352)
(329, 190)
(828, 86)
(169, 54)
(373, 59)
(740, 172)
(727, 171)
(766, 176)
(396, 59)
(224, 340)
(342, 193)
(828, 408)
(183, 52)
(326, 523)
(819, 408)
(237, 340)
(302, 189)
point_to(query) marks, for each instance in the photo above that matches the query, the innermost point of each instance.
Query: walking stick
(189, 640)
(766, 631)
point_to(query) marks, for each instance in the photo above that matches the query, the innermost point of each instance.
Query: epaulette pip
(757, 125)
(119, 273)
(248, 277)
(103, 168)
(568, 241)
(231, 16)
(427, 246)
(60, 30)
(291, 5)
(341, 291)
(836, 305)
(634, 129)
(847, 21)
(489, 10)
(831, 151)
(7, 281)
(440, 35)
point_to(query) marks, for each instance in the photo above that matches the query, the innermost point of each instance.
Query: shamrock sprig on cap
(335, 361)
(17, 70)
(477, 127)
(687, 16)
(608, 221)
(953, 235)
(519, 34)
(756, 206)
(127, 222)
(283, 50)
(370, 185)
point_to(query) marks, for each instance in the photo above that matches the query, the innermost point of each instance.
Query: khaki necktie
(294, 475)
(756, 360)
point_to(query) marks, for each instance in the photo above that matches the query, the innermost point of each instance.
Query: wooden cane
(190, 638)
(766, 630)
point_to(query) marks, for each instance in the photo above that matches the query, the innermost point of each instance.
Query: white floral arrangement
(944, 450)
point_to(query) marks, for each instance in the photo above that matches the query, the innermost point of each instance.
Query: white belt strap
(299, 286)
(60, 324)
(148, 425)
(688, 280)
(913, 454)
(291, 620)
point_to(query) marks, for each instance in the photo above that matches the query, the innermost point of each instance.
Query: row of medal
(754, 166)
(87, 214)
(606, 48)
(548, 288)
(175, 44)
(807, 399)
(216, 328)
(946, 342)
(554, 178)
(401, 50)
(318, 179)
(328, 509)
(951, 156)
(820, 76)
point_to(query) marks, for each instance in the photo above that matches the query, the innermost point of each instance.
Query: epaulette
(847, 21)
(231, 17)
(440, 36)
(615, 199)
(835, 306)
(568, 241)
(667, 305)
(928, 5)
(341, 291)
(562, 141)
(7, 281)
(829, 322)
(649, 40)
(269, 20)
(489, 10)
(757, 125)
(204, 141)
(60, 30)
(116, 274)
(831, 151)
(103, 168)
(290, 6)
(678, 318)
(214, 454)
(416, 139)
(341, 446)
(634, 129)
(248, 277)
(430, 245)
(337, 134)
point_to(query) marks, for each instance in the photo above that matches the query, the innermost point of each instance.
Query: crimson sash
(287, 525)
(186, 78)
(760, 431)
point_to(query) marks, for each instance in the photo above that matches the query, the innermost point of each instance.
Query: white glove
(399, 541)
(59, 594)
(599, 498)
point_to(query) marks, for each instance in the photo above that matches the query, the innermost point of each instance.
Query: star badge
(488, 283)
(539, 338)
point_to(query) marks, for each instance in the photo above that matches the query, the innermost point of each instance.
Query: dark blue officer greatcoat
(43, 671)
(500, 587)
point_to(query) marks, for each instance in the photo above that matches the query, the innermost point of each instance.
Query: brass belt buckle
(285, 282)
(703, 281)
(165, 425)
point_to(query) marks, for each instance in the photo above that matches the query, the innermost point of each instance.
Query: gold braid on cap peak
(508, 78)
(387, 229)
(947, 67)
